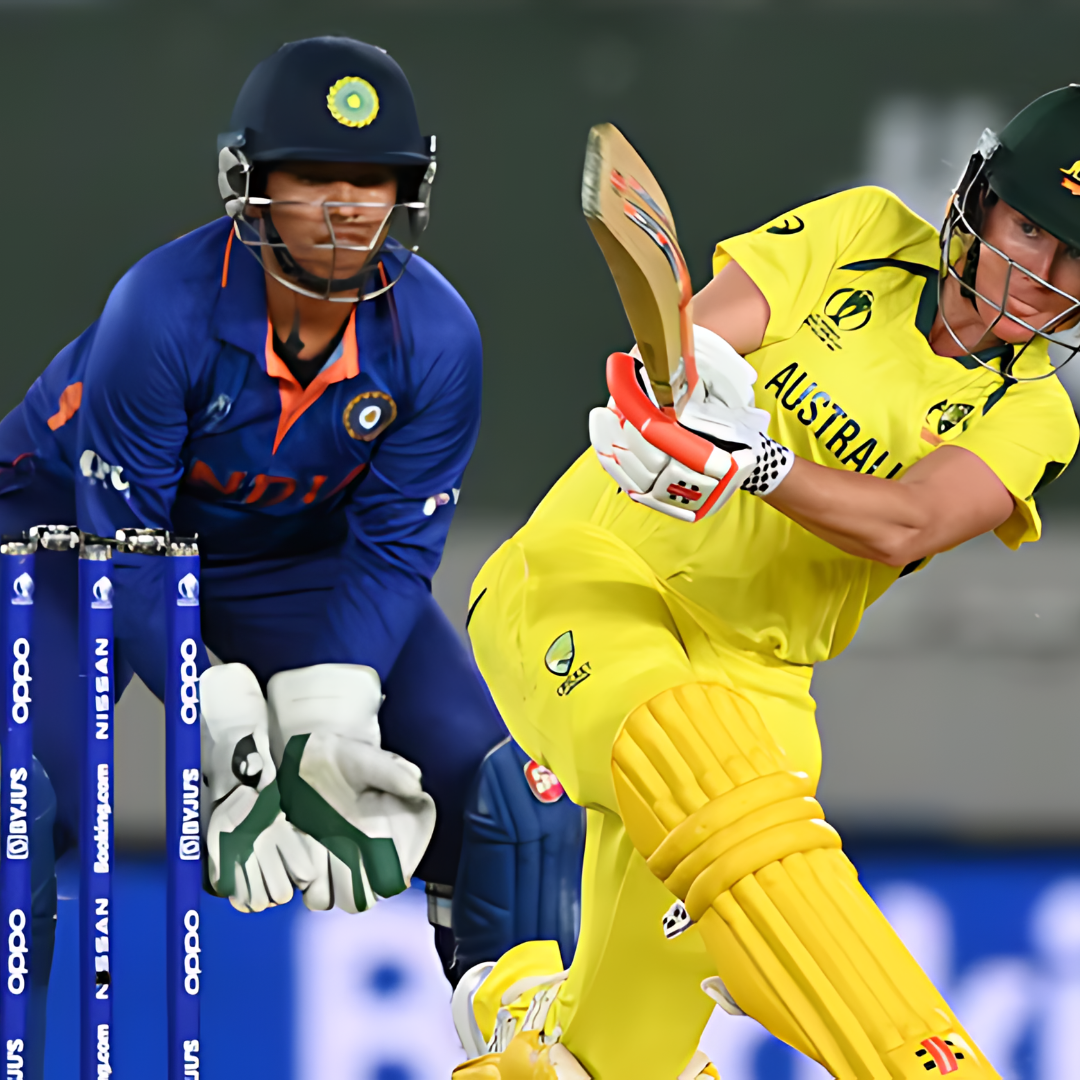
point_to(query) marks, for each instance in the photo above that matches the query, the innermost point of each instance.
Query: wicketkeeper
(298, 388)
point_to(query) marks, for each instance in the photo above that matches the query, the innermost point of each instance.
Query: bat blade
(631, 220)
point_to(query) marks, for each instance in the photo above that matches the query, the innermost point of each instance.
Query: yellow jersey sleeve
(1027, 438)
(791, 258)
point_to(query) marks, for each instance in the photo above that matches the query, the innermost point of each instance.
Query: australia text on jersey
(817, 410)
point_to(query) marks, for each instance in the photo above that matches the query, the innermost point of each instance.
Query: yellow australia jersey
(850, 381)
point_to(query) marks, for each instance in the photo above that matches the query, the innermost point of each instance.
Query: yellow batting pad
(481, 1068)
(707, 796)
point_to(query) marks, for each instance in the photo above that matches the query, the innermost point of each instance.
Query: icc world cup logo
(22, 590)
(103, 594)
(187, 589)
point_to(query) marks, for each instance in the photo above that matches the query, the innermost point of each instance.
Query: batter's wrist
(774, 463)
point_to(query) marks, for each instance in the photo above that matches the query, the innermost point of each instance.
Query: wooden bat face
(631, 220)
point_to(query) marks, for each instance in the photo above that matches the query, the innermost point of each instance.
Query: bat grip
(663, 431)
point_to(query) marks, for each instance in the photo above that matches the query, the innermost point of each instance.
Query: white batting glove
(256, 857)
(729, 447)
(364, 805)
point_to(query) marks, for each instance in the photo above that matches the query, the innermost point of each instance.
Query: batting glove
(688, 468)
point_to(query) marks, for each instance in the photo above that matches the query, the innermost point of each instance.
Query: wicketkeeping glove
(688, 468)
(364, 805)
(256, 858)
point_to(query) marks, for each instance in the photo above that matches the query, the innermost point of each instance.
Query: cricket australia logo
(948, 416)
(559, 660)
(1071, 180)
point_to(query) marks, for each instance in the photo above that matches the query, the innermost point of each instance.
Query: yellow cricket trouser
(632, 1007)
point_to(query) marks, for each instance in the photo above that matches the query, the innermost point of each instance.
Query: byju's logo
(103, 594)
(187, 589)
(22, 590)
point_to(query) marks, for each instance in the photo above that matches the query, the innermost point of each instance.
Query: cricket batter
(309, 414)
(662, 668)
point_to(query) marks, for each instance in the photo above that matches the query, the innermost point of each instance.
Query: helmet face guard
(350, 251)
(962, 244)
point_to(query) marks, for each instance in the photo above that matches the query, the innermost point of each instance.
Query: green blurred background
(110, 114)
(955, 709)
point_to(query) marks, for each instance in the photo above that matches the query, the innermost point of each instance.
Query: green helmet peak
(1035, 164)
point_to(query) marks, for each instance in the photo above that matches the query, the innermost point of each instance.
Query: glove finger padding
(378, 836)
(242, 841)
(235, 731)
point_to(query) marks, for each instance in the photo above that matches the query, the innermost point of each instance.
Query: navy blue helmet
(324, 99)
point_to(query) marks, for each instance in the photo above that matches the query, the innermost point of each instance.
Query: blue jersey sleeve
(401, 512)
(128, 439)
(133, 422)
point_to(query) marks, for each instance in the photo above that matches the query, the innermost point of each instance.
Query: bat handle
(662, 430)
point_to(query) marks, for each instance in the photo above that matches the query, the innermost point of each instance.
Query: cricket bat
(631, 220)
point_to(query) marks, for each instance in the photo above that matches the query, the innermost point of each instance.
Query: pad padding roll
(708, 797)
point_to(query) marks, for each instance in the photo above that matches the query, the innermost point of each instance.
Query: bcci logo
(103, 594)
(849, 309)
(187, 589)
(369, 414)
(353, 101)
(22, 590)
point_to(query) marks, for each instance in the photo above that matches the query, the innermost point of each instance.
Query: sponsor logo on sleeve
(543, 783)
(95, 469)
(788, 227)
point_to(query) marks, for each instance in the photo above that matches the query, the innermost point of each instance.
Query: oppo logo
(189, 696)
(20, 681)
(17, 950)
(192, 968)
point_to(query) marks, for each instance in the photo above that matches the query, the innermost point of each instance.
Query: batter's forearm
(946, 498)
(866, 516)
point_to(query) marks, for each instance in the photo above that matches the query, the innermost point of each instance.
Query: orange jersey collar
(295, 399)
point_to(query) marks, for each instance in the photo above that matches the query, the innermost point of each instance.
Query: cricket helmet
(327, 99)
(1034, 166)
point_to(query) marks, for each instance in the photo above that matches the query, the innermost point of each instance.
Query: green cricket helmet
(1034, 166)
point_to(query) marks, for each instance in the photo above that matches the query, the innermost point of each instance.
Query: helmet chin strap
(291, 268)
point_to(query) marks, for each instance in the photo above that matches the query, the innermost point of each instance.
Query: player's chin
(1016, 333)
(345, 266)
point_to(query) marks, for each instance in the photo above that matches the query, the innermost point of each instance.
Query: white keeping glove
(256, 858)
(364, 805)
(690, 468)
